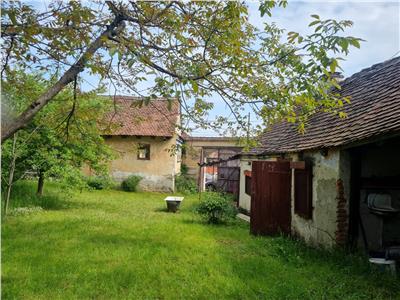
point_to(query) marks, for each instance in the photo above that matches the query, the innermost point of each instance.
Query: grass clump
(131, 183)
(216, 208)
(99, 182)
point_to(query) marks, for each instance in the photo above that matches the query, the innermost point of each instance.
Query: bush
(184, 169)
(130, 184)
(185, 184)
(99, 183)
(216, 208)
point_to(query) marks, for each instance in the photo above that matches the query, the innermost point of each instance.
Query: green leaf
(112, 51)
(355, 43)
(130, 62)
(11, 15)
(292, 36)
(314, 23)
(318, 28)
(195, 86)
(333, 65)
(315, 16)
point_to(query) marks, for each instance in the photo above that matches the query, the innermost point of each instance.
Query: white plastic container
(173, 203)
(384, 264)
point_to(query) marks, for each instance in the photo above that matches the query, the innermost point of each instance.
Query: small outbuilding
(204, 158)
(145, 140)
(339, 183)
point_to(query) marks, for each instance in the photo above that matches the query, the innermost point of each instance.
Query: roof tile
(159, 118)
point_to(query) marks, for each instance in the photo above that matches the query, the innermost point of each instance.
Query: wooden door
(270, 198)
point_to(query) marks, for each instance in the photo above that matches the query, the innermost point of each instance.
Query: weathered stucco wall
(321, 229)
(158, 173)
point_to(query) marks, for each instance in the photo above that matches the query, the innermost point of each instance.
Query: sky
(378, 23)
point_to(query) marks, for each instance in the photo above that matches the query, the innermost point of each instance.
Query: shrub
(184, 169)
(99, 183)
(130, 184)
(216, 208)
(185, 184)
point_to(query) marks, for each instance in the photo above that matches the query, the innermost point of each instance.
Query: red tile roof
(374, 111)
(158, 118)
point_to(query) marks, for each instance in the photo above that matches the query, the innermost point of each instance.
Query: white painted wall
(244, 199)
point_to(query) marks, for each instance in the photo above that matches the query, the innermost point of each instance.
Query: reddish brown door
(270, 198)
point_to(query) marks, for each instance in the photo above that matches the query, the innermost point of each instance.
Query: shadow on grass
(161, 209)
(311, 272)
(24, 194)
(201, 221)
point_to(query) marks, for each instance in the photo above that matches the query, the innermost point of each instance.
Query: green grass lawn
(114, 244)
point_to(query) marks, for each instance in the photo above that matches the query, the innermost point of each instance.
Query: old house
(339, 183)
(144, 139)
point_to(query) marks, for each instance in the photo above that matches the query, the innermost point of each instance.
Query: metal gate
(229, 177)
(270, 198)
(221, 170)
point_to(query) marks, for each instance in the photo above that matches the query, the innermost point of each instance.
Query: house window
(303, 191)
(143, 152)
(247, 185)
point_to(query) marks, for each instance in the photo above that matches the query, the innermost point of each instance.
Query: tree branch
(24, 118)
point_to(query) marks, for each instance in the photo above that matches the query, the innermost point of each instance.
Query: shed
(330, 175)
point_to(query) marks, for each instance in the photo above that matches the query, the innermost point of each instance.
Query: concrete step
(243, 217)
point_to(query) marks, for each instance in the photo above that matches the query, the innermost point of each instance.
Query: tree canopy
(189, 50)
(56, 143)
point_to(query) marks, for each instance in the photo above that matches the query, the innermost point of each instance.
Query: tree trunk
(25, 117)
(40, 184)
(10, 177)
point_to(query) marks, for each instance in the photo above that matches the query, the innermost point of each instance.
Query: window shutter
(303, 191)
